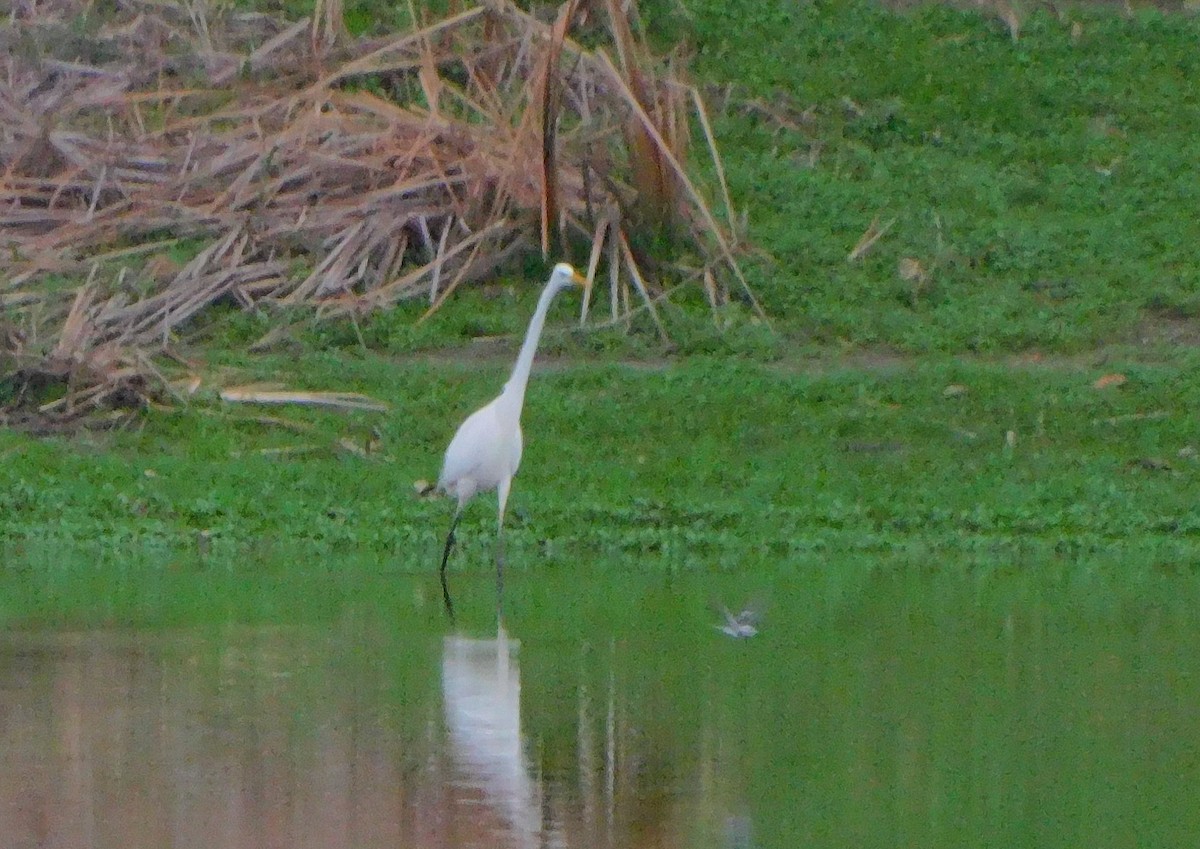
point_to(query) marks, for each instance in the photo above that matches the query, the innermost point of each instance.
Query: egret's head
(564, 276)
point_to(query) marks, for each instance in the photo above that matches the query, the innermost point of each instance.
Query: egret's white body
(486, 451)
(484, 454)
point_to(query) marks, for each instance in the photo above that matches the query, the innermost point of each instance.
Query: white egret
(486, 451)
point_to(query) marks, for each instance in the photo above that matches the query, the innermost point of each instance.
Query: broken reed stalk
(549, 106)
(323, 170)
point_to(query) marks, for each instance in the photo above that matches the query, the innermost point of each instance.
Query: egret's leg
(445, 558)
(501, 501)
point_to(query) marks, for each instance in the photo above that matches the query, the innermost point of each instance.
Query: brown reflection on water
(288, 738)
(893, 725)
(129, 741)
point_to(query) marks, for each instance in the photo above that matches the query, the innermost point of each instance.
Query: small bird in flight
(740, 626)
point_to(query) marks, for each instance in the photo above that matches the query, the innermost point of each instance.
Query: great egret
(486, 451)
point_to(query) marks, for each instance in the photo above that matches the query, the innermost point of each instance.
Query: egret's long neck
(514, 391)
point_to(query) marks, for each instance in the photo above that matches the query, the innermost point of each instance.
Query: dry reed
(300, 166)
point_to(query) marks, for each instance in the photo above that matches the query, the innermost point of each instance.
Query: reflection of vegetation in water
(880, 699)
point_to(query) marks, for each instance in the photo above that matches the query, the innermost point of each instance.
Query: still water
(900, 714)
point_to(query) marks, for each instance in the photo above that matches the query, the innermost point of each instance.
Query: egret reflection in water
(481, 683)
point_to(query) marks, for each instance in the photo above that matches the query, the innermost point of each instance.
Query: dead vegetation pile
(287, 163)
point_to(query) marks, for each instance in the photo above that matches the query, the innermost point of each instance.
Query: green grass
(980, 571)
(1042, 183)
(1039, 183)
(1041, 180)
(705, 466)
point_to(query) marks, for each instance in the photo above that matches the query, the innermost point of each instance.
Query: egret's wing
(486, 450)
(469, 449)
